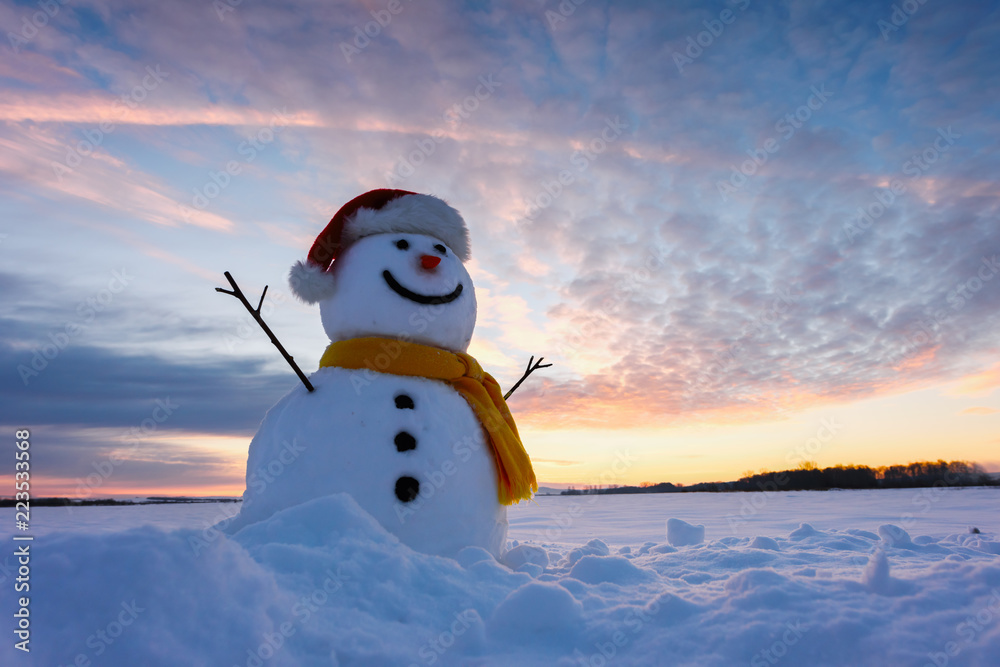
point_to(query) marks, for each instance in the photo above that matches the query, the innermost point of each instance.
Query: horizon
(776, 245)
(555, 486)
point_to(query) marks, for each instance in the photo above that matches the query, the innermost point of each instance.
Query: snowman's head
(403, 286)
(390, 264)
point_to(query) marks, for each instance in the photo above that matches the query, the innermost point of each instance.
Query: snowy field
(812, 578)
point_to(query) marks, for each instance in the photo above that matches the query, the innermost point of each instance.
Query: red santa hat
(376, 212)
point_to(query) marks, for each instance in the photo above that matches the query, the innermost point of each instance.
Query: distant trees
(927, 473)
(809, 477)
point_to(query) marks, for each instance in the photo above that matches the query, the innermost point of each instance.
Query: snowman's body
(409, 450)
(397, 428)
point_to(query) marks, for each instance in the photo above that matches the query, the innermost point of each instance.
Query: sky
(746, 235)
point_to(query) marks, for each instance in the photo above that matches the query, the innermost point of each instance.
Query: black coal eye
(440, 248)
(402, 244)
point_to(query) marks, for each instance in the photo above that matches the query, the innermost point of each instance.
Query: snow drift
(322, 583)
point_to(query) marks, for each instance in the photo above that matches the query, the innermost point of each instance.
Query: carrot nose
(429, 261)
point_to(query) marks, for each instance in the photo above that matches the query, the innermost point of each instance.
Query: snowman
(401, 417)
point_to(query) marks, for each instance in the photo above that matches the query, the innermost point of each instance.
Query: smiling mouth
(420, 298)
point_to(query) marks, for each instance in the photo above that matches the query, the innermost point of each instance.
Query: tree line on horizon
(808, 477)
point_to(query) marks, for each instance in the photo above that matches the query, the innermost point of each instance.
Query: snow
(682, 534)
(364, 305)
(524, 554)
(409, 450)
(337, 439)
(835, 578)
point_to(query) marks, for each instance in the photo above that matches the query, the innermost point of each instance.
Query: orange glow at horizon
(902, 425)
(69, 488)
(946, 421)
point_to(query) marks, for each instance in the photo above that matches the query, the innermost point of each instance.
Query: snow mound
(597, 569)
(752, 581)
(469, 556)
(988, 547)
(682, 534)
(321, 522)
(526, 553)
(876, 574)
(537, 612)
(895, 536)
(803, 531)
(761, 542)
(323, 583)
(591, 548)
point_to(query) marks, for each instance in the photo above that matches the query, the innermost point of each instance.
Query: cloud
(97, 387)
(556, 462)
(73, 366)
(94, 110)
(979, 410)
(157, 420)
(104, 461)
(46, 159)
(978, 384)
(658, 300)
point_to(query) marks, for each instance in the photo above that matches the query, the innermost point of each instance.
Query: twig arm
(255, 312)
(261, 302)
(531, 368)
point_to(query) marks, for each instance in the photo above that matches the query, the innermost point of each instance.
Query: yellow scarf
(384, 355)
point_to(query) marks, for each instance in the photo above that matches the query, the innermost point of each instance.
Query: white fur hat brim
(412, 214)
(376, 212)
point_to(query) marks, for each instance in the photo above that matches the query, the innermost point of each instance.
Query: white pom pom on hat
(380, 211)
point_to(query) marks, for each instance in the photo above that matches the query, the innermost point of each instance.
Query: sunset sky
(746, 234)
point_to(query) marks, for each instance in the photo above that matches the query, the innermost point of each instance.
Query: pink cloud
(979, 410)
(40, 157)
(95, 108)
